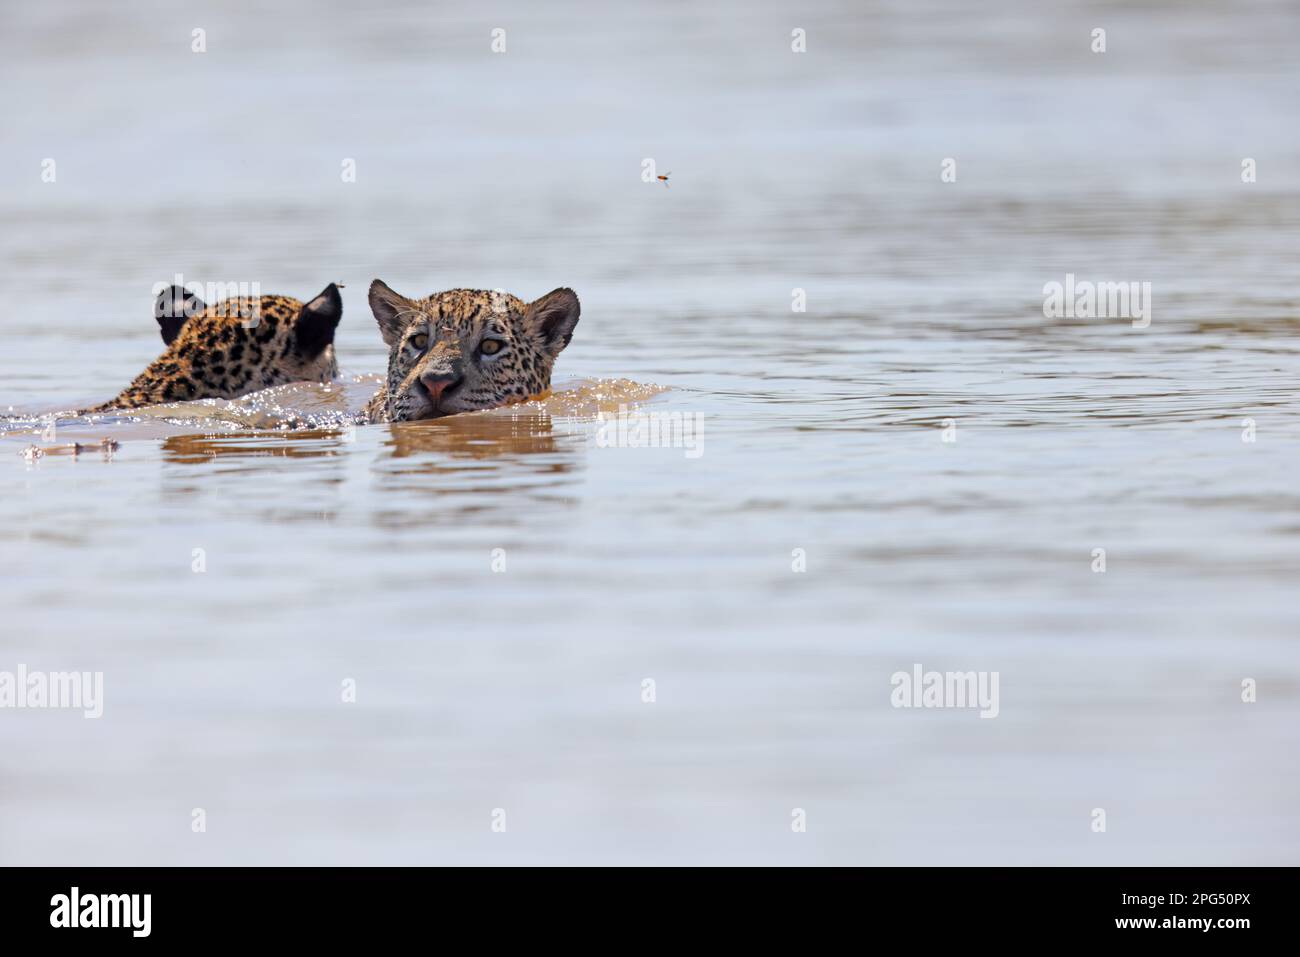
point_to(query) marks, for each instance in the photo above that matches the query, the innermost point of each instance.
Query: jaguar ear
(317, 321)
(172, 307)
(392, 311)
(550, 320)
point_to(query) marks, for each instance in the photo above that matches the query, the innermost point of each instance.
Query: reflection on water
(495, 462)
(920, 467)
(472, 468)
(474, 436)
(308, 443)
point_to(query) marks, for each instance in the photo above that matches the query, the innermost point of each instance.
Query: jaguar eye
(490, 347)
(420, 340)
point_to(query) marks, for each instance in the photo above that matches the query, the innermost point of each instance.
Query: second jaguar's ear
(171, 308)
(392, 311)
(317, 321)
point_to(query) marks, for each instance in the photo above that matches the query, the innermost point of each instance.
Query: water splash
(305, 407)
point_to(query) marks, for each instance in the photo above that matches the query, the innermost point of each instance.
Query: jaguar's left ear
(317, 321)
(171, 308)
(551, 319)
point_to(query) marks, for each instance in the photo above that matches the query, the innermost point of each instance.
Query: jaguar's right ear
(172, 307)
(392, 312)
(317, 321)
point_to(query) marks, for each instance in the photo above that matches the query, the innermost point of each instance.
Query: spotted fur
(234, 347)
(466, 349)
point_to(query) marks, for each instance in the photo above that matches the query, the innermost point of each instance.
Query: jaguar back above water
(234, 347)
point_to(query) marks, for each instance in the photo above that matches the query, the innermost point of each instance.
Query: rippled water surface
(500, 586)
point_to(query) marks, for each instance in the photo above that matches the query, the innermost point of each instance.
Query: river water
(372, 644)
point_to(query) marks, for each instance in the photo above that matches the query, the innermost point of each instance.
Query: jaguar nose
(437, 383)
